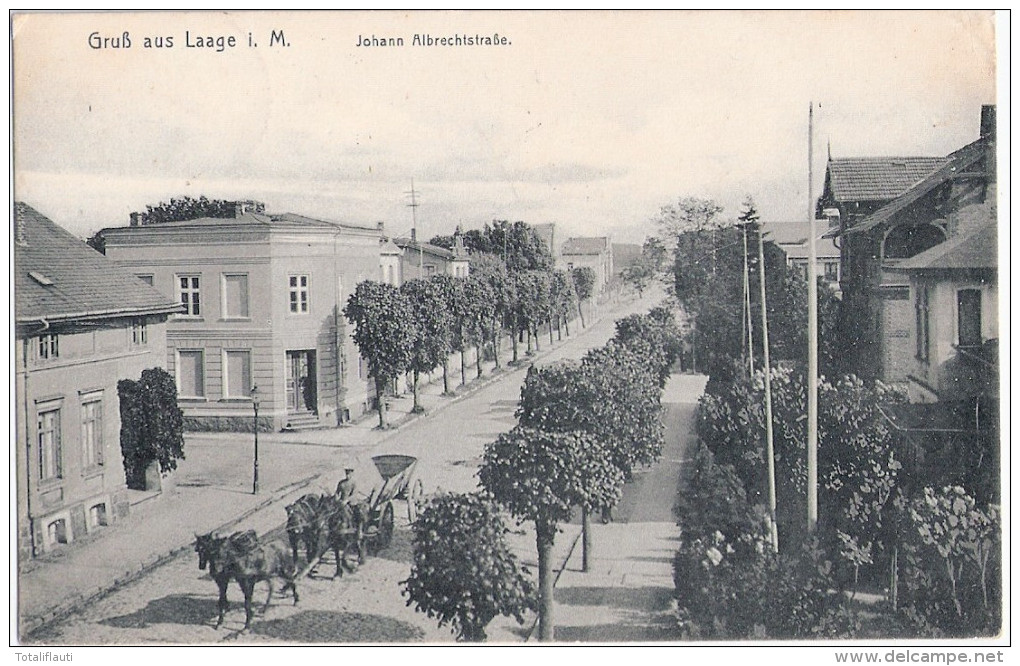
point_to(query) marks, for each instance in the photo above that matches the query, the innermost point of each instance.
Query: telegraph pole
(812, 379)
(770, 451)
(414, 222)
(747, 309)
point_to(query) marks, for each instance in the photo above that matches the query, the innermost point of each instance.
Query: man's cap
(349, 469)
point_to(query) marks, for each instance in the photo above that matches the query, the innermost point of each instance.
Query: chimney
(136, 219)
(988, 121)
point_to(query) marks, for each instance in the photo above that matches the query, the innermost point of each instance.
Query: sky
(590, 120)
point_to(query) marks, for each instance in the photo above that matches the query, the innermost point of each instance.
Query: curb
(36, 623)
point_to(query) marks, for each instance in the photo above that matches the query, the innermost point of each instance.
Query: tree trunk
(566, 325)
(513, 339)
(580, 313)
(586, 552)
(545, 536)
(537, 337)
(495, 346)
(478, 360)
(550, 332)
(463, 366)
(416, 407)
(380, 385)
(446, 374)
(559, 328)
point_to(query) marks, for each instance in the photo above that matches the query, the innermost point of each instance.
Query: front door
(301, 396)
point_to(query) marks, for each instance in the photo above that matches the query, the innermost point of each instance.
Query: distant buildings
(81, 325)
(423, 259)
(792, 238)
(593, 252)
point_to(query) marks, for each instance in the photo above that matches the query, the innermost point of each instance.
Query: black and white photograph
(472, 328)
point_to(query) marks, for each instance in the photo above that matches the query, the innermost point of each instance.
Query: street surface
(176, 603)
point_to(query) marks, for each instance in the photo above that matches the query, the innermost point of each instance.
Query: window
(389, 276)
(968, 311)
(299, 293)
(235, 296)
(430, 269)
(190, 295)
(92, 433)
(831, 271)
(147, 279)
(49, 346)
(190, 374)
(50, 465)
(921, 323)
(237, 383)
(139, 331)
(56, 531)
(97, 515)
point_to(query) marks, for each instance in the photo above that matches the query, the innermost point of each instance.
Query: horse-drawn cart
(397, 472)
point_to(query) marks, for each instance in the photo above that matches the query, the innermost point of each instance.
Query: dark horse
(305, 525)
(344, 530)
(241, 557)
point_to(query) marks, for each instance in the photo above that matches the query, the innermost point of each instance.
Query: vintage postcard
(509, 327)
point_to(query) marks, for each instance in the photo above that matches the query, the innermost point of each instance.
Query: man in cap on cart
(346, 488)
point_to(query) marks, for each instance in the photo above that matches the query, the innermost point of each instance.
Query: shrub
(464, 573)
(952, 565)
(151, 424)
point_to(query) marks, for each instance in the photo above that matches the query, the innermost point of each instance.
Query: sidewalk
(214, 492)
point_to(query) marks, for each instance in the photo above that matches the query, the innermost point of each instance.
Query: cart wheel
(414, 499)
(386, 527)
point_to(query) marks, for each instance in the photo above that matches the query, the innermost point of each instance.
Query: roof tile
(83, 283)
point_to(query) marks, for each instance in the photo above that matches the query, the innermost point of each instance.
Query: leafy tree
(584, 285)
(541, 476)
(384, 332)
(627, 401)
(151, 425)
(481, 311)
(492, 270)
(464, 572)
(432, 326)
(655, 338)
(563, 298)
(189, 208)
(596, 398)
(448, 292)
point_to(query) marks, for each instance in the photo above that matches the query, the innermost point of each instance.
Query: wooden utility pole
(414, 222)
(749, 335)
(812, 378)
(770, 451)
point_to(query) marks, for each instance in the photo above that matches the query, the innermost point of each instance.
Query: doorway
(301, 385)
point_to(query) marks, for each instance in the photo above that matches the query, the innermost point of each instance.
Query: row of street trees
(582, 428)
(927, 535)
(414, 328)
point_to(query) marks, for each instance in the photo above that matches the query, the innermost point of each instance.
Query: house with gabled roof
(595, 252)
(419, 259)
(951, 425)
(81, 325)
(874, 236)
(263, 299)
